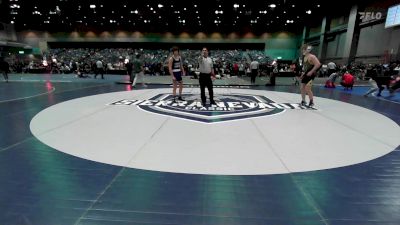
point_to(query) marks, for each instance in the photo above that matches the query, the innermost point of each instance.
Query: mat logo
(229, 107)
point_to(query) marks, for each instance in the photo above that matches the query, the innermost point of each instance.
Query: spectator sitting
(347, 81)
(324, 70)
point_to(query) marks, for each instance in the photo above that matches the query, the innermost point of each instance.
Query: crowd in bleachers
(114, 60)
(82, 61)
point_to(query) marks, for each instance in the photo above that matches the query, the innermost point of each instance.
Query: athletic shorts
(178, 76)
(306, 79)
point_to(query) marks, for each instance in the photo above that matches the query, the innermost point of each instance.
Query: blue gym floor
(40, 185)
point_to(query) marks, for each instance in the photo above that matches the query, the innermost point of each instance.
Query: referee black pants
(254, 73)
(205, 81)
(99, 71)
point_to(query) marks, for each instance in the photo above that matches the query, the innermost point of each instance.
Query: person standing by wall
(206, 76)
(138, 70)
(176, 71)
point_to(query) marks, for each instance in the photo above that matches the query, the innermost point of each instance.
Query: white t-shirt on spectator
(254, 65)
(99, 64)
(332, 66)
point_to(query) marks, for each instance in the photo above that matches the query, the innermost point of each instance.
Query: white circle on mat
(338, 134)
